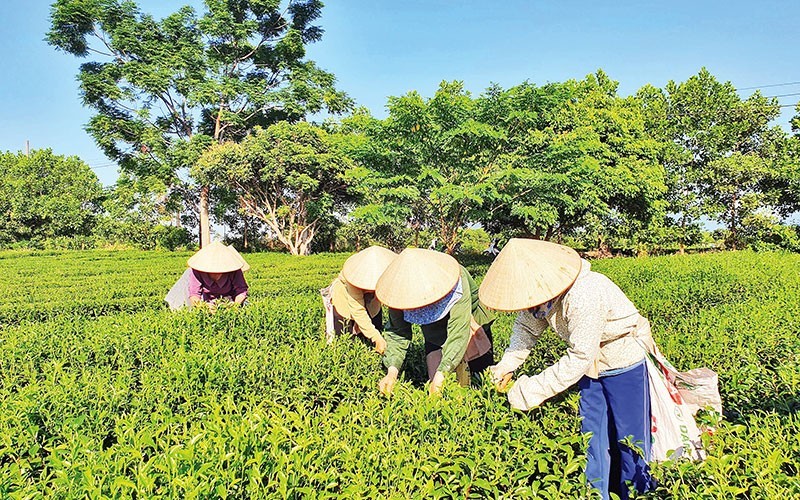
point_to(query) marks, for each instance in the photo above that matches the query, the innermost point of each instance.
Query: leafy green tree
(723, 160)
(290, 176)
(576, 157)
(134, 215)
(164, 90)
(384, 202)
(45, 195)
(429, 164)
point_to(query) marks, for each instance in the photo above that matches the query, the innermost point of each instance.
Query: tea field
(105, 393)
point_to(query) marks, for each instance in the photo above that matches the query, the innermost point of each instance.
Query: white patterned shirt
(597, 321)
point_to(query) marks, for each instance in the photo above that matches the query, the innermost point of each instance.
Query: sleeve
(586, 320)
(194, 286)
(458, 333)
(524, 334)
(398, 339)
(355, 304)
(239, 284)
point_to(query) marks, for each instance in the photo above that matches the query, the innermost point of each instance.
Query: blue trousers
(615, 407)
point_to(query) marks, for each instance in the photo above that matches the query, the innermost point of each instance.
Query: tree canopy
(45, 195)
(164, 90)
(290, 176)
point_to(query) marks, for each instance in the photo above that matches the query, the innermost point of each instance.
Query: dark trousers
(613, 408)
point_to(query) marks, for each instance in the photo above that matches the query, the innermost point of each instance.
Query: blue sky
(379, 48)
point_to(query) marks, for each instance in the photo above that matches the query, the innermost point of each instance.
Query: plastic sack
(178, 295)
(330, 331)
(674, 432)
(699, 387)
(479, 344)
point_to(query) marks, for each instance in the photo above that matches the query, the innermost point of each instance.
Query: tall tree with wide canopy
(724, 160)
(576, 158)
(430, 163)
(164, 90)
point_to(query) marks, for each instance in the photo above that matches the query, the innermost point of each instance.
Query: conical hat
(245, 265)
(217, 258)
(527, 273)
(363, 269)
(416, 278)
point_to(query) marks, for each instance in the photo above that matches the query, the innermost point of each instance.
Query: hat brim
(363, 269)
(527, 273)
(217, 258)
(417, 278)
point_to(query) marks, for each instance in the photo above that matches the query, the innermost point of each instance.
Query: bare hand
(502, 384)
(380, 345)
(436, 384)
(386, 384)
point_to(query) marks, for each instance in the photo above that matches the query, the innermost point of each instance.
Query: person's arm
(586, 320)
(524, 334)
(240, 287)
(398, 340)
(358, 311)
(455, 345)
(458, 334)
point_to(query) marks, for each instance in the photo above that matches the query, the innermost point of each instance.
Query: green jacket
(452, 332)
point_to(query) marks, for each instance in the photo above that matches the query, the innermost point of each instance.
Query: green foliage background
(104, 393)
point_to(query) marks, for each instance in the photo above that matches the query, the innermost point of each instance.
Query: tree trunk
(245, 231)
(205, 227)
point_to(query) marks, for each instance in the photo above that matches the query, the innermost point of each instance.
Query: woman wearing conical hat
(215, 272)
(353, 306)
(431, 289)
(552, 286)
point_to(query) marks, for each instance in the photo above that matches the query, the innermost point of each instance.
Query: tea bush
(105, 393)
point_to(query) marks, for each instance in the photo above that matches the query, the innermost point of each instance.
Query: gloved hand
(517, 396)
(380, 345)
(500, 378)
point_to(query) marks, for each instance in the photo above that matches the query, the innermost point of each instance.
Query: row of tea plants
(105, 393)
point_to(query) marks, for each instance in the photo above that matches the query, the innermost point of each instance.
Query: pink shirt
(229, 285)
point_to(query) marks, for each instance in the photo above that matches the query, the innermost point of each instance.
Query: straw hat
(363, 269)
(245, 265)
(527, 273)
(416, 278)
(217, 258)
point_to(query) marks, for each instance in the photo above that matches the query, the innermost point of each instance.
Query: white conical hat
(416, 278)
(527, 273)
(363, 269)
(217, 258)
(245, 265)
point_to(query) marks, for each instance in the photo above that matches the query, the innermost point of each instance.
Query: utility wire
(768, 86)
(783, 95)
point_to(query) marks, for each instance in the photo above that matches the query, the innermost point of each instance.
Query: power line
(97, 167)
(782, 95)
(770, 85)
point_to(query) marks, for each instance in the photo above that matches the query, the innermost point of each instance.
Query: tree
(45, 195)
(290, 176)
(384, 202)
(164, 90)
(576, 158)
(133, 214)
(431, 163)
(723, 155)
